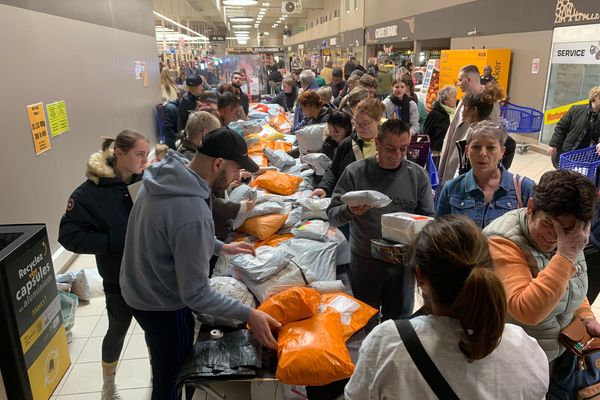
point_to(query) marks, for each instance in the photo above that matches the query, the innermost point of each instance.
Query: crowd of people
(502, 268)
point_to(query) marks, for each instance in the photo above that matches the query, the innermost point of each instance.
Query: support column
(416, 51)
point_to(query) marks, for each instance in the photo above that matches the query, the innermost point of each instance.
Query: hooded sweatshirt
(170, 240)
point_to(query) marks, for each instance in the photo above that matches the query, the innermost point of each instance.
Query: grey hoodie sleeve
(338, 213)
(193, 244)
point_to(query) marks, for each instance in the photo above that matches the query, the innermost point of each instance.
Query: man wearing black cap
(170, 239)
(189, 100)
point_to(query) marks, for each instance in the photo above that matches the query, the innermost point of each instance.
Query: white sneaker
(110, 392)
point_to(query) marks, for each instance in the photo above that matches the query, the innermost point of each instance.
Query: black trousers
(119, 320)
(170, 336)
(592, 259)
(387, 287)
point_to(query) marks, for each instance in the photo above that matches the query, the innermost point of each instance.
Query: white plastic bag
(291, 275)
(294, 216)
(371, 198)
(314, 208)
(310, 138)
(324, 287)
(233, 288)
(317, 161)
(279, 158)
(315, 229)
(242, 192)
(318, 257)
(268, 261)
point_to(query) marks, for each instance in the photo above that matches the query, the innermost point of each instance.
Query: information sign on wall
(37, 124)
(576, 53)
(57, 117)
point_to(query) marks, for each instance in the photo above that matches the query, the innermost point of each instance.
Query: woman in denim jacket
(488, 190)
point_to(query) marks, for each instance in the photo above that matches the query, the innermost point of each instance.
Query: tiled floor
(83, 381)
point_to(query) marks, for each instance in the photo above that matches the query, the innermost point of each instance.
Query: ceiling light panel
(240, 2)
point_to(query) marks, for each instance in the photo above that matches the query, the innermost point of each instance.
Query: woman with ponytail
(465, 335)
(95, 223)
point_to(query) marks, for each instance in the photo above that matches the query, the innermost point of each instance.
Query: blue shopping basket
(519, 119)
(585, 161)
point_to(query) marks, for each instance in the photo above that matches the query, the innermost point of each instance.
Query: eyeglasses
(363, 124)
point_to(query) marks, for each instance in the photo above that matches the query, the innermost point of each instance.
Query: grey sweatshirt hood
(170, 240)
(167, 178)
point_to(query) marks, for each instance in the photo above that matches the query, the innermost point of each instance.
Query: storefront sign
(333, 41)
(386, 31)
(57, 118)
(553, 115)
(267, 50)
(37, 123)
(301, 46)
(576, 53)
(216, 38)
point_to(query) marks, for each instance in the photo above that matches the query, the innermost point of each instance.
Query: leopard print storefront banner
(566, 12)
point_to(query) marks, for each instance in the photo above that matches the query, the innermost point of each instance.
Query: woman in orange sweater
(538, 256)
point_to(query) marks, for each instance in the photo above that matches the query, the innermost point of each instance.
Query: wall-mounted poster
(37, 123)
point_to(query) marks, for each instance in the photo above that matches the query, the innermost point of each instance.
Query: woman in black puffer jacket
(95, 223)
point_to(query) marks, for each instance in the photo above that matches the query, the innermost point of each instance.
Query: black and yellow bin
(34, 355)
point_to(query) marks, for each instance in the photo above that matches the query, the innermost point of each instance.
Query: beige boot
(109, 389)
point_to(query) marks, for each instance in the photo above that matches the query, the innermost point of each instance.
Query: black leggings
(119, 320)
(170, 336)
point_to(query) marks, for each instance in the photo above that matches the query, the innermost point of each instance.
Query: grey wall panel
(129, 15)
(524, 88)
(89, 66)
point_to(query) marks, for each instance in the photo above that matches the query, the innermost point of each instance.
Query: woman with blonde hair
(168, 88)
(95, 223)
(360, 144)
(478, 355)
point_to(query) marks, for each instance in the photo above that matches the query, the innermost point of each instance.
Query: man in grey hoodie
(170, 240)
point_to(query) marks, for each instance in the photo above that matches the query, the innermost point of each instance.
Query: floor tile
(134, 374)
(84, 326)
(80, 396)
(136, 394)
(136, 348)
(92, 352)
(84, 378)
(94, 307)
(101, 327)
(83, 261)
(75, 348)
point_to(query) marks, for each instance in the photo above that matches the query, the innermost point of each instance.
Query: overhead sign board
(386, 31)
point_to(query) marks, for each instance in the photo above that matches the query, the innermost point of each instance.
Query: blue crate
(521, 119)
(585, 161)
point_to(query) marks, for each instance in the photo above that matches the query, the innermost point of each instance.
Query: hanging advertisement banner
(553, 115)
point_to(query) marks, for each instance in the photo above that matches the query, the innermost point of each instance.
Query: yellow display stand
(451, 61)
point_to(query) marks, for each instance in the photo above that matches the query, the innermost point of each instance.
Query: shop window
(347, 6)
(356, 4)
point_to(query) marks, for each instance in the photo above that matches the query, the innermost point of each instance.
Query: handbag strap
(518, 183)
(423, 362)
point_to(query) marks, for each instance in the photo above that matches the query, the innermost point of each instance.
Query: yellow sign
(37, 123)
(451, 61)
(48, 369)
(57, 117)
(553, 115)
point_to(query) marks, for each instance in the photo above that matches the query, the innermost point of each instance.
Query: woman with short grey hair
(487, 191)
(438, 120)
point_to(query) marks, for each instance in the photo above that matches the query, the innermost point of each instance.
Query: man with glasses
(382, 285)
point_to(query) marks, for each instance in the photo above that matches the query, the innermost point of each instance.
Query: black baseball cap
(193, 80)
(229, 145)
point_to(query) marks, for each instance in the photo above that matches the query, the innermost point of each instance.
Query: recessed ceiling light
(240, 2)
(241, 19)
(241, 32)
(266, 33)
(243, 26)
(266, 4)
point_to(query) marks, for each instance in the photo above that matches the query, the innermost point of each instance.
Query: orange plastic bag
(275, 240)
(354, 313)
(263, 226)
(277, 182)
(313, 351)
(292, 304)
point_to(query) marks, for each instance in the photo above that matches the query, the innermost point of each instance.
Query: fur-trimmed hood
(98, 166)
